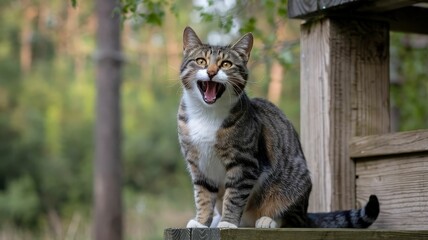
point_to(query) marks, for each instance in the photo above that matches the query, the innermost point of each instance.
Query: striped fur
(244, 155)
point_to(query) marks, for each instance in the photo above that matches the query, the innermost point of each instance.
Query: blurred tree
(108, 167)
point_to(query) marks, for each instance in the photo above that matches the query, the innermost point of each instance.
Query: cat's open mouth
(210, 90)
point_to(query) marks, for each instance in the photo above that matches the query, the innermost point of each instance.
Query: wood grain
(401, 184)
(177, 234)
(344, 93)
(205, 233)
(389, 144)
(309, 234)
(314, 117)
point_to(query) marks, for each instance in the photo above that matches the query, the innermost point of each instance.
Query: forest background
(47, 95)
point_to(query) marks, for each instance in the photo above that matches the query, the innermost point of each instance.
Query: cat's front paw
(195, 224)
(266, 222)
(224, 224)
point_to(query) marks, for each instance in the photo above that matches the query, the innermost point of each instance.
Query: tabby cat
(243, 154)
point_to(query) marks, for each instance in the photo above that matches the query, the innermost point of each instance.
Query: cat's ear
(244, 44)
(190, 39)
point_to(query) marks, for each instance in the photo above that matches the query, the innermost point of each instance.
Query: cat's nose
(212, 70)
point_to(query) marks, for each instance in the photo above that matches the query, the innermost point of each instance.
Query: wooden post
(107, 169)
(344, 93)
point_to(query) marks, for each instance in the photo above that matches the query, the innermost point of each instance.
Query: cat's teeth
(204, 86)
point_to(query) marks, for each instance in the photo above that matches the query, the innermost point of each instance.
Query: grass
(146, 217)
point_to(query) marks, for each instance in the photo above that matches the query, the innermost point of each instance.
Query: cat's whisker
(234, 87)
(174, 68)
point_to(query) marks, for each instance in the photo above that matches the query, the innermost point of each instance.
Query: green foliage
(151, 12)
(411, 94)
(249, 25)
(19, 201)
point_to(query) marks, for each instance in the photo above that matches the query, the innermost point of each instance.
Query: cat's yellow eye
(226, 64)
(201, 62)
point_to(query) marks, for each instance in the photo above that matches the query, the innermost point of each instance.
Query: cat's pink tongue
(210, 93)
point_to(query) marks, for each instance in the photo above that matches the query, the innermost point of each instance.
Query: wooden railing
(394, 167)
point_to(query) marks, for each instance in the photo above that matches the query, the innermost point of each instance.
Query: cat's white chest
(203, 127)
(203, 133)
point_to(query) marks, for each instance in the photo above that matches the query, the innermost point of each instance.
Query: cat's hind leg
(266, 222)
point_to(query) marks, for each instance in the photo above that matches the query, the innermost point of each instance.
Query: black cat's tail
(356, 218)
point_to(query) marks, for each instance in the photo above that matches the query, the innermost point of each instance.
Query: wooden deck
(290, 233)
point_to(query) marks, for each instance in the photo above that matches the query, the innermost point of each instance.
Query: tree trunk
(275, 85)
(107, 182)
(26, 53)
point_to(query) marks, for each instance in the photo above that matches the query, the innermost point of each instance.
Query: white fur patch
(224, 224)
(266, 222)
(202, 75)
(221, 77)
(203, 126)
(195, 224)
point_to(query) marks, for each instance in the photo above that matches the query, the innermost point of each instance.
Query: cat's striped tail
(356, 218)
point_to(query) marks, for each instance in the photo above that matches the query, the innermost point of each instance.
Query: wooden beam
(344, 93)
(290, 233)
(300, 9)
(389, 144)
(400, 14)
(407, 19)
(387, 5)
(305, 9)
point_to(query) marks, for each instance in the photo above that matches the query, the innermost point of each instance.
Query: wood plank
(314, 98)
(311, 8)
(309, 234)
(192, 233)
(389, 144)
(401, 184)
(344, 93)
(327, 5)
(205, 233)
(177, 233)
(305, 9)
(367, 68)
(407, 19)
(387, 5)
(299, 8)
